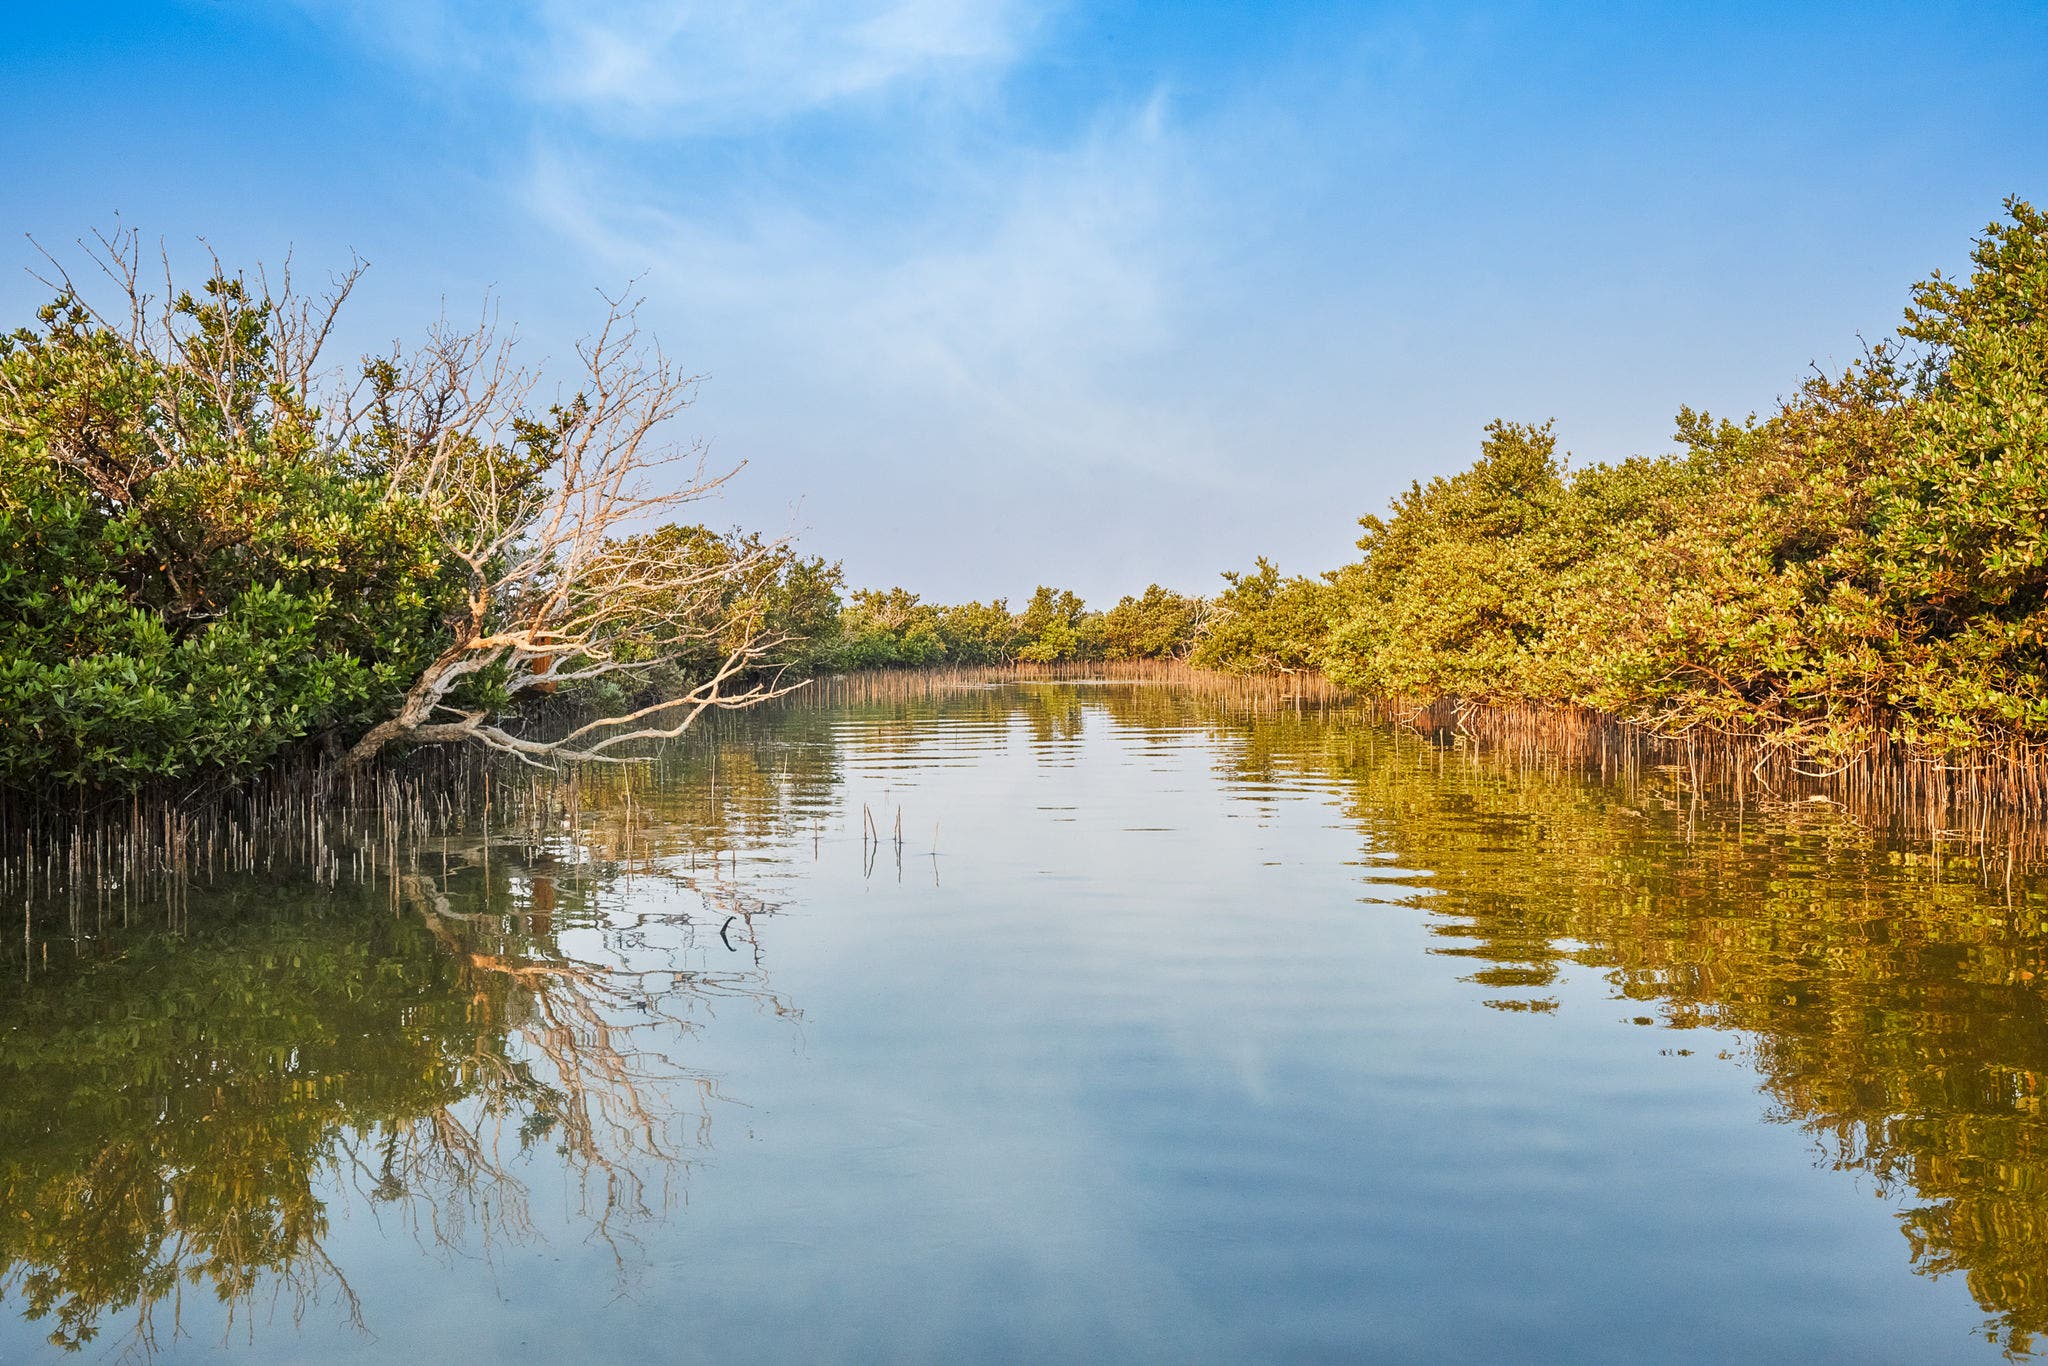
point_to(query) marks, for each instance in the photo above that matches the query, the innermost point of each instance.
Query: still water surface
(1170, 1031)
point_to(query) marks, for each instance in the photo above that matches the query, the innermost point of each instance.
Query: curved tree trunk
(422, 700)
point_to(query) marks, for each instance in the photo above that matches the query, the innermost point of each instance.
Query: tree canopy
(1869, 561)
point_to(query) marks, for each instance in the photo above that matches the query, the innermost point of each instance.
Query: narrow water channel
(1047, 1022)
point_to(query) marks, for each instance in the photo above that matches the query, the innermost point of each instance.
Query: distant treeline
(824, 629)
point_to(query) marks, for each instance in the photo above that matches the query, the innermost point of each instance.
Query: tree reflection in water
(1889, 994)
(179, 1113)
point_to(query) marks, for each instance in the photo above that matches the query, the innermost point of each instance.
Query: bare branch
(540, 514)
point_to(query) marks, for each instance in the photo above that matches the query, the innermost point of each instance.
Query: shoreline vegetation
(145, 851)
(229, 567)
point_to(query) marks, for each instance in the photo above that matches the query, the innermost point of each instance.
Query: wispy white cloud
(1010, 312)
(944, 315)
(660, 65)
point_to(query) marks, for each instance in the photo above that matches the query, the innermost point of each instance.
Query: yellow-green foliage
(1871, 559)
(1159, 624)
(1265, 624)
(893, 628)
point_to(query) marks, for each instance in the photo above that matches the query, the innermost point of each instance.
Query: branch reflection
(189, 1114)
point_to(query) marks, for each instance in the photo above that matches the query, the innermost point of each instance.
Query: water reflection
(186, 1117)
(189, 1119)
(1889, 997)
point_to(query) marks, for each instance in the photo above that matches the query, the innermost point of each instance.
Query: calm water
(1170, 1032)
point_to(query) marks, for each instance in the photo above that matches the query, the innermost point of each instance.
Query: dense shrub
(189, 579)
(1869, 560)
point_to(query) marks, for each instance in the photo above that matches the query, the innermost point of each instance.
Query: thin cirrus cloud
(997, 315)
(655, 67)
(920, 295)
(947, 294)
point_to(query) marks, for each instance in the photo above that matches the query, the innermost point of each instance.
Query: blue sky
(991, 294)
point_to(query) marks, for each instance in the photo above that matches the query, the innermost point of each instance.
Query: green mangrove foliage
(212, 552)
(896, 629)
(764, 596)
(1868, 564)
(1263, 623)
(189, 578)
